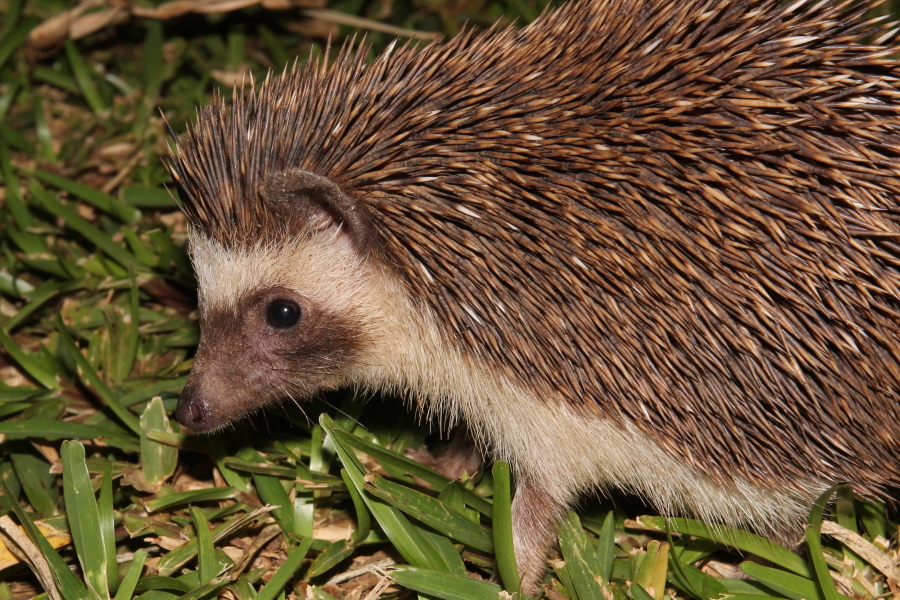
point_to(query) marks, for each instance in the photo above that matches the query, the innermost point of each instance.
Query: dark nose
(192, 411)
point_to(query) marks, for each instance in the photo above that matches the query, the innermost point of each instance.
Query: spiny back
(680, 213)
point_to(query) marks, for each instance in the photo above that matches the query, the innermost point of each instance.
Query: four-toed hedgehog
(647, 245)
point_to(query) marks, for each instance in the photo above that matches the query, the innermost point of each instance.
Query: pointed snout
(194, 410)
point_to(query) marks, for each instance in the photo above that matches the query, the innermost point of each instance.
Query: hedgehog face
(279, 320)
(273, 344)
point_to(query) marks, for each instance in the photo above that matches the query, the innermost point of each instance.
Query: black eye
(283, 314)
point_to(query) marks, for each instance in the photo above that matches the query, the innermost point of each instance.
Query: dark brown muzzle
(193, 410)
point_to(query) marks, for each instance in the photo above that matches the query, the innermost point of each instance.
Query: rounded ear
(314, 203)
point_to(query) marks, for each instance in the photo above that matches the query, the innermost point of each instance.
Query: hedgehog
(647, 246)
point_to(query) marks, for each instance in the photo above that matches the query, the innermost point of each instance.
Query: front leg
(535, 519)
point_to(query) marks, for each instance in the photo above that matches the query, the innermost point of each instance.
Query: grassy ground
(97, 331)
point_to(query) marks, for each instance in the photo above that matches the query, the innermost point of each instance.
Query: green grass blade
(207, 565)
(303, 514)
(37, 483)
(845, 515)
(42, 129)
(16, 139)
(108, 528)
(28, 242)
(9, 95)
(204, 591)
(84, 519)
(432, 512)
(453, 497)
(132, 575)
(562, 573)
(694, 581)
(83, 76)
(69, 215)
(792, 586)
(651, 574)
(177, 558)
(284, 573)
(15, 394)
(242, 590)
(90, 377)
(56, 77)
(315, 593)
(177, 498)
(582, 562)
(638, 592)
(404, 464)
(272, 492)
(751, 597)
(406, 538)
(237, 49)
(451, 561)
(844, 510)
(331, 556)
(216, 451)
(606, 546)
(38, 298)
(147, 197)
(690, 551)
(746, 587)
(141, 250)
(403, 535)
(445, 585)
(159, 460)
(872, 517)
(274, 46)
(259, 468)
(502, 522)
(397, 462)
(149, 391)
(126, 335)
(170, 253)
(814, 546)
(742, 540)
(319, 457)
(363, 516)
(69, 585)
(12, 39)
(157, 582)
(28, 363)
(54, 429)
(13, 286)
(108, 204)
(153, 64)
